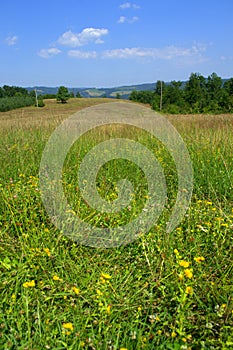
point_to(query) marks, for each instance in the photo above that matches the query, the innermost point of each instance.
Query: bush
(41, 103)
(9, 103)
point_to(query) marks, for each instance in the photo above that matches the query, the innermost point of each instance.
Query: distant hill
(91, 92)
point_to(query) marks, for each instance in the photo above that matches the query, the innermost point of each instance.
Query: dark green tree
(63, 94)
(78, 95)
(196, 93)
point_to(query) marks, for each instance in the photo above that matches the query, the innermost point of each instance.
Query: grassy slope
(149, 302)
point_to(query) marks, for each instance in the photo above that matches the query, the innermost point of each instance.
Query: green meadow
(162, 291)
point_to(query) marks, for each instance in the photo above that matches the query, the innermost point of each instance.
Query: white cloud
(166, 53)
(124, 19)
(82, 54)
(11, 40)
(128, 5)
(87, 36)
(47, 53)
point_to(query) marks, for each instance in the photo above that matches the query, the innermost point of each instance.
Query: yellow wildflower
(106, 276)
(56, 278)
(47, 251)
(188, 273)
(181, 277)
(189, 290)
(68, 325)
(29, 284)
(176, 251)
(123, 349)
(108, 310)
(199, 259)
(76, 290)
(173, 334)
(159, 332)
(184, 263)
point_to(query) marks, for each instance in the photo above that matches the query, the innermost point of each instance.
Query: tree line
(197, 95)
(12, 97)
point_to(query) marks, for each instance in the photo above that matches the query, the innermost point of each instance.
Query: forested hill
(123, 91)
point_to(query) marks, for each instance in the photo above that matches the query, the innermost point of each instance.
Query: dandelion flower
(108, 310)
(189, 290)
(181, 277)
(47, 251)
(199, 259)
(184, 263)
(76, 290)
(56, 278)
(106, 276)
(188, 273)
(68, 326)
(29, 284)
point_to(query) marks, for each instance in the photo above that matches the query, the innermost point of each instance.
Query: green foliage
(142, 96)
(57, 294)
(8, 103)
(41, 102)
(63, 94)
(49, 96)
(199, 95)
(78, 95)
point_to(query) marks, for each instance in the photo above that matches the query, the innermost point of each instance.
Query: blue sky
(104, 43)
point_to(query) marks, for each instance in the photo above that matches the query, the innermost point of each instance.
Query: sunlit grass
(160, 292)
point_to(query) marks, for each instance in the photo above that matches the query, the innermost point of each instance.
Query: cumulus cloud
(82, 54)
(166, 53)
(11, 40)
(88, 35)
(47, 53)
(124, 19)
(128, 5)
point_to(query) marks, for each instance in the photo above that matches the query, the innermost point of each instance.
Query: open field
(163, 291)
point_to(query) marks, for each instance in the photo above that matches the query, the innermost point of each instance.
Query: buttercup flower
(76, 290)
(188, 273)
(184, 263)
(199, 259)
(29, 284)
(56, 278)
(68, 325)
(189, 290)
(106, 276)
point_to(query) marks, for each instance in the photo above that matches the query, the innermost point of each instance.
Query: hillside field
(163, 291)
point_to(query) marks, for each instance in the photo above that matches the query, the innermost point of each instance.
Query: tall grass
(160, 292)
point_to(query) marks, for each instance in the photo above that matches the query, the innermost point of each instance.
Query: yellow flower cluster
(199, 259)
(29, 284)
(188, 273)
(56, 278)
(68, 326)
(76, 290)
(184, 263)
(105, 277)
(189, 290)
